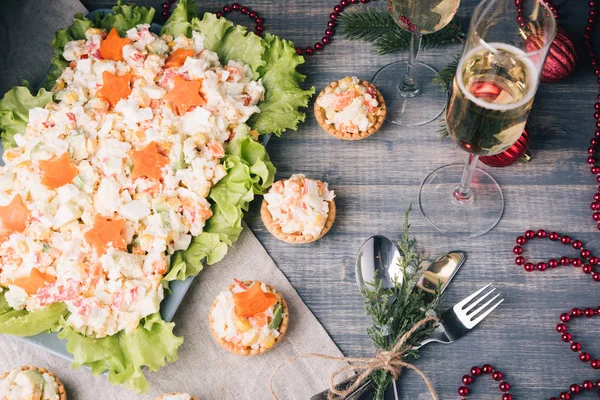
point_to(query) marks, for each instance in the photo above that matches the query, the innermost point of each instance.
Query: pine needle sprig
(367, 25)
(396, 310)
(376, 25)
(446, 76)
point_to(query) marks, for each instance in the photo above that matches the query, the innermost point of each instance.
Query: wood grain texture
(377, 178)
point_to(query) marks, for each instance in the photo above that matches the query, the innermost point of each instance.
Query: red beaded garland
(309, 50)
(487, 369)
(331, 24)
(591, 159)
(586, 261)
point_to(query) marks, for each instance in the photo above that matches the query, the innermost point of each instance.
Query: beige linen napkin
(203, 369)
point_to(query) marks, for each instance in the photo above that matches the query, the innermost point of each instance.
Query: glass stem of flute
(409, 86)
(463, 193)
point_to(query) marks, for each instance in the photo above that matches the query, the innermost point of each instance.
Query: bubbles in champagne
(492, 95)
(423, 16)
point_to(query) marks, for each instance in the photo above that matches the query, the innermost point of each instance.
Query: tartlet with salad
(31, 383)
(248, 318)
(349, 109)
(298, 209)
(132, 171)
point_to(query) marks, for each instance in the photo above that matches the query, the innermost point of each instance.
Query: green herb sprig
(376, 25)
(396, 310)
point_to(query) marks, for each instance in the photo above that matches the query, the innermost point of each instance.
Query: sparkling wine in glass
(492, 94)
(408, 88)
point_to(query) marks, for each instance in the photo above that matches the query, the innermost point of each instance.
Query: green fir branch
(396, 310)
(446, 76)
(376, 25)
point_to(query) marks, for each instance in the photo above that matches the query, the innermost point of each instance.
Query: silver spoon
(378, 257)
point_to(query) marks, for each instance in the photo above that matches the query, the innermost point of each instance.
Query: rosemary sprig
(376, 25)
(396, 310)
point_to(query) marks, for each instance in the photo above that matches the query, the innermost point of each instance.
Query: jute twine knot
(392, 361)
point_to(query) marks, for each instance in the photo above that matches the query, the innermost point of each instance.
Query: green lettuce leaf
(152, 345)
(179, 21)
(14, 111)
(213, 29)
(74, 32)
(283, 94)
(249, 172)
(124, 17)
(225, 38)
(25, 323)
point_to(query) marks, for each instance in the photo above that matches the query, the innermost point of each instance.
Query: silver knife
(438, 274)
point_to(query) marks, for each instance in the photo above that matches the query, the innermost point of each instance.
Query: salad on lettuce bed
(129, 169)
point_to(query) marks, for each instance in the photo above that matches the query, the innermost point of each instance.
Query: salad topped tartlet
(350, 109)
(31, 383)
(298, 209)
(134, 170)
(248, 318)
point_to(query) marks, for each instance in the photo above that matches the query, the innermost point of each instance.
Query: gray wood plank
(376, 179)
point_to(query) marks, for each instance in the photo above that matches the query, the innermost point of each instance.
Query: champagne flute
(492, 93)
(416, 100)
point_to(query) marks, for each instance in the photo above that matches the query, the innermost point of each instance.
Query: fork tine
(462, 303)
(486, 313)
(483, 307)
(479, 300)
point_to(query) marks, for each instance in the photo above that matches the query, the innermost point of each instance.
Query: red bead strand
(591, 153)
(587, 261)
(487, 369)
(308, 50)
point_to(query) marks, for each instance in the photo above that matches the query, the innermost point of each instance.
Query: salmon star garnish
(148, 162)
(15, 215)
(58, 171)
(114, 88)
(111, 48)
(178, 57)
(253, 301)
(105, 232)
(35, 281)
(184, 95)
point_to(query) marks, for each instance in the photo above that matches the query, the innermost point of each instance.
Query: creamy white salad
(29, 384)
(350, 107)
(112, 178)
(299, 205)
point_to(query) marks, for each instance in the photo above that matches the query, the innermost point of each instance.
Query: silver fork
(454, 323)
(463, 316)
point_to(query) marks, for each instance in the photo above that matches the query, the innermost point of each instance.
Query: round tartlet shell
(329, 128)
(173, 393)
(295, 238)
(62, 393)
(248, 351)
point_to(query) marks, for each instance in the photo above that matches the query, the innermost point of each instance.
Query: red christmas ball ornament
(562, 56)
(514, 153)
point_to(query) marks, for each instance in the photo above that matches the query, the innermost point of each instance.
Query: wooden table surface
(376, 179)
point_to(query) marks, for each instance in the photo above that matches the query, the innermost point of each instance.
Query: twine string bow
(392, 361)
